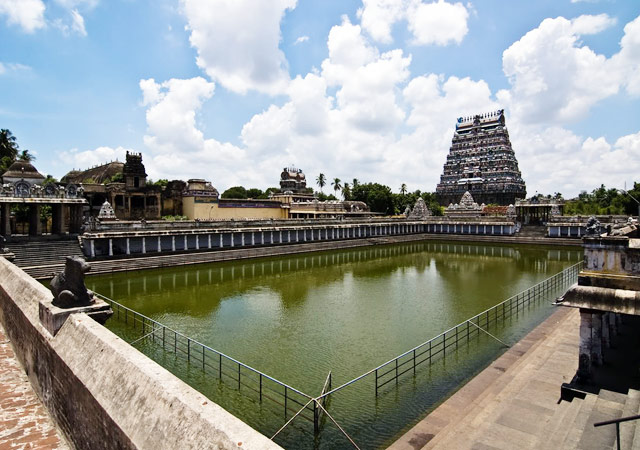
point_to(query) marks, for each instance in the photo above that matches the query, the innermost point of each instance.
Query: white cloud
(77, 23)
(85, 159)
(438, 23)
(6, 68)
(627, 61)
(435, 23)
(554, 78)
(28, 14)
(237, 42)
(301, 39)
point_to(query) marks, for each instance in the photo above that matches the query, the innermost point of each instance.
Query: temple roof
(23, 169)
(99, 174)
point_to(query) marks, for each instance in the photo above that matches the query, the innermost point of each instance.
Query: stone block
(53, 317)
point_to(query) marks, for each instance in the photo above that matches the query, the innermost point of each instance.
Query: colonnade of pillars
(61, 214)
(226, 239)
(597, 328)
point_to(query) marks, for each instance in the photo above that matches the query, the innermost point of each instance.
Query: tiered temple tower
(482, 162)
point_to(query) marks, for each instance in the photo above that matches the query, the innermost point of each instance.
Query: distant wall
(102, 392)
(205, 209)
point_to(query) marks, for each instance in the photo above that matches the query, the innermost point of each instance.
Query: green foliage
(322, 181)
(377, 196)
(324, 197)
(49, 180)
(603, 201)
(268, 191)
(89, 180)
(346, 191)
(255, 193)
(401, 201)
(162, 182)
(237, 192)
(8, 149)
(117, 178)
(26, 156)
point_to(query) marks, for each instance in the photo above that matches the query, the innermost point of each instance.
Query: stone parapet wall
(102, 392)
(110, 244)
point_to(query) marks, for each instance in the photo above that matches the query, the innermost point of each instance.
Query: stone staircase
(532, 231)
(42, 258)
(514, 403)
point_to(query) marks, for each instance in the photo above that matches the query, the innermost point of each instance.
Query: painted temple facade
(482, 162)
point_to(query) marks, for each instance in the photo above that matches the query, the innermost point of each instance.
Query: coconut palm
(321, 181)
(355, 183)
(26, 156)
(403, 189)
(336, 184)
(8, 149)
(346, 191)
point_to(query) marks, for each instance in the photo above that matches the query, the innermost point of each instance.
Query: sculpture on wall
(68, 286)
(594, 228)
(420, 210)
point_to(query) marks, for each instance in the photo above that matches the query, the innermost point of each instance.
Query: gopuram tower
(482, 162)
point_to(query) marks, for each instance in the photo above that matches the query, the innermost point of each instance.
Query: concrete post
(35, 226)
(5, 222)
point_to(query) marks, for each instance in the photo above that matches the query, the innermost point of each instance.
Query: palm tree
(403, 189)
(321, 181)
(26, 156)
(355, 183)
(336, 184)
(346, 191)
(8, 149)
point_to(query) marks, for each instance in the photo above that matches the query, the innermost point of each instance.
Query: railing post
(396, 370)
(316, 426)
(188, 350)
(220, 366)
(203, 369)
(414, 361)
(260, 388)
(285, 403)
(239, 366)
(376, 382)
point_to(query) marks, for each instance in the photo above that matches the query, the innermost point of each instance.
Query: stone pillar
(173, 243)
(92, 247)
(253, 238)
(128, 251)
(144, 245)
(160, 244)
(280, 237)
(232, 243)
(5, 222)
(209, 240)
(185, 245)
(110, 247)
(606, 337)
(590, 353)
(262, 237)
(596, 339)
(75, 219)
(613, 325)
(221, 240)
(197, 242)
(35, 226)
(56, 218)
(242, 239)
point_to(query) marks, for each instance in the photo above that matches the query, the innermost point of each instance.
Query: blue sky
(234, 90)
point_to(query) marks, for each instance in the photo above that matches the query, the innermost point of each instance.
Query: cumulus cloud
(237, 42)
(27, 14)
(553, 76)
(435, 23)
(89, 158)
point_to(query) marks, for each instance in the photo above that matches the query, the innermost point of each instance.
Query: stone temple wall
(103, 393)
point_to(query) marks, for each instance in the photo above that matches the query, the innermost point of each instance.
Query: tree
(355, 182)
(321, 181)
(336, 184)
(237, 192)
(254, 193)
(26, 156)
(346, 191)
(377, 196)
(403, 189)
(8, 149)
(49, 180)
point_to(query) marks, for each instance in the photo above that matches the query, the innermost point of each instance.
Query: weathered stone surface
(53, 317)
(420, 210)
(102, 392)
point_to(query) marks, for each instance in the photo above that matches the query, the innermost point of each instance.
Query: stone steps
(43, 253)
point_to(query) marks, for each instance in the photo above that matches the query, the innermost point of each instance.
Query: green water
(297, 318)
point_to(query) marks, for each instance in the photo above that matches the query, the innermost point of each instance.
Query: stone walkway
(513, 403)
(24, 421)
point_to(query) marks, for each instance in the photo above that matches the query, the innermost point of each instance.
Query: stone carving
(466, 207)
(594, 228)
(467, 200)
(68, 286)
(407, 211)
(8, 188)
(511, 212)
(555, 210)
(420, 210)
(624, 228)
(51, 190)
(106, 212)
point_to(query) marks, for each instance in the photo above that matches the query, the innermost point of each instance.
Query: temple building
(482, 162)
(123, 185)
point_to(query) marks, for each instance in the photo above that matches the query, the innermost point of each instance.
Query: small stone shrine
(420, 210)
(107, 212)
(466, 208)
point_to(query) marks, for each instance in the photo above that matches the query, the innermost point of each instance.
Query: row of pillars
(209, 241)
(59, 215)
(597, 328)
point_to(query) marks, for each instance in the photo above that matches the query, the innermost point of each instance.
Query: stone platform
(514, 403)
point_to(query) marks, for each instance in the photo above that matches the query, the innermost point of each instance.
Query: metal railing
(617, 424)
(295, 403)
(239, 376)
(462, 333)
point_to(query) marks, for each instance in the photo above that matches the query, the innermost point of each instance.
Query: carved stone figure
(594, 228)
(68, 286)
(511, 212)
(555, 210)
(106, 212)
(8, 188)
(407, 211)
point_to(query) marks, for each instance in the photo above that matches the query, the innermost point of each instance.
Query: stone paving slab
(513, 403)
(24, 420)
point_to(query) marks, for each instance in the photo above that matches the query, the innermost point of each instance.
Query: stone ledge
(53, 317)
